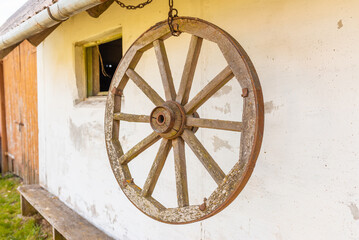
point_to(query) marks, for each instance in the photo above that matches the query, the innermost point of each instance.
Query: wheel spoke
(143, 85)
(214, 123)
(181, 172)
(139, 148)
(131, 117)
(189, 69)
(165, 70)
(211, 88)
(212, 167)
(156, 168)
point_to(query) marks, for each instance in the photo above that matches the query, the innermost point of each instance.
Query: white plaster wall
(305, 184)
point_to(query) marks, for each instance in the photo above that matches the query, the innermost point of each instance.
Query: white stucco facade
(305, 184)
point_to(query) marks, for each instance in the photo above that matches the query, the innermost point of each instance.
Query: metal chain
(173, 13)
(133, 7)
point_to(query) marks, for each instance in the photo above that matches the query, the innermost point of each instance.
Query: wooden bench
(66, 223)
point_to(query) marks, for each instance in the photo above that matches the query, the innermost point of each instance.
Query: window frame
(92, 65)
(84, 67)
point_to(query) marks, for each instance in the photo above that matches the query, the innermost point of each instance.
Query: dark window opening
(99, 75)
(111, 53)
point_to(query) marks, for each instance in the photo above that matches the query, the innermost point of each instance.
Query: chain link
(173, 13)
(133, 7)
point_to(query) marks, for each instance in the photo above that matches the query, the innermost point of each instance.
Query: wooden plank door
(20, 84)
(4, 162)
(11, 68)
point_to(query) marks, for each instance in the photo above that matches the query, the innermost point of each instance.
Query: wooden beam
(165, 70)
(189, 69)
(181, 172)
(156, 168)
(6, 51)
(38, 38)
(206, 159)
(26, 208)
(96, 11)
(95, 70)
(214, 124)
(56, 235)
(211, 88)
(139, 148)
(143, 85)
(131, 117)
(89, 71)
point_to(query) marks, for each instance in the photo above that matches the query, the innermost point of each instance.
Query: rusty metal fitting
(127, 181)
(245, 92)
(116, 92)
(203, 206)
(161, 119)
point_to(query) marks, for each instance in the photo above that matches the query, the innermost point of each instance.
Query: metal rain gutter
(58, 12)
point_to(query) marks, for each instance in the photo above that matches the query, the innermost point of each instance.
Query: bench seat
(66, 223)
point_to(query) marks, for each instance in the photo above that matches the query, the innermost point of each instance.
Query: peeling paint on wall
(92, 210)
(75, 135)
(225, 109)
(340, 24)
(269, 107)
(223, 91)
(220, 143)
(111, 213)
(80, 134)
(354, 210)
(68, 200)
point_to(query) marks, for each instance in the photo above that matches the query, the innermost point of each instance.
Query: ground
(12, 225)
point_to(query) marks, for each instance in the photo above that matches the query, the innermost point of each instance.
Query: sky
(8, 7)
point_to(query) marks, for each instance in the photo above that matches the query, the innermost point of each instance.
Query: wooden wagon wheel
(173, 120)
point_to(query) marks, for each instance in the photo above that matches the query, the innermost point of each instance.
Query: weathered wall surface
(305, 184)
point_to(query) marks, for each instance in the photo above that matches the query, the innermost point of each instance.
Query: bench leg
(56, 235)
(26, 208)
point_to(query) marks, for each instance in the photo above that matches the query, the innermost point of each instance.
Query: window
(102, 59)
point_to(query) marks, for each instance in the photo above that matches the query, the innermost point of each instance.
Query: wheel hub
(168, 120)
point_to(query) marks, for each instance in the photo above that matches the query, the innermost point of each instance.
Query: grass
(12, 225)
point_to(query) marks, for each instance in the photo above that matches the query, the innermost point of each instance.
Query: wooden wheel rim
(252, 124)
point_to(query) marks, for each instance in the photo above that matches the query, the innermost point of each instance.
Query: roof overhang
(39, 26)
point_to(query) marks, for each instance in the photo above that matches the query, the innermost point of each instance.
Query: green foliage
(12, 225)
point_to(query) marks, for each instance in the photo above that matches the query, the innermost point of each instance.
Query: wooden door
(20, 85)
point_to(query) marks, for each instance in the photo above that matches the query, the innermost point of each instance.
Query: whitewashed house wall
(305, 184)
